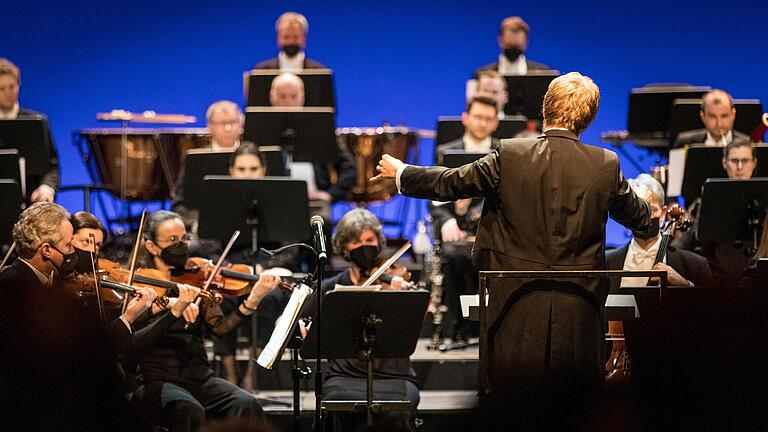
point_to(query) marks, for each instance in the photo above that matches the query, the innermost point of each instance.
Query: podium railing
(486, 276)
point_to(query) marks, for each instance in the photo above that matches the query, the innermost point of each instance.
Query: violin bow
(387, 264)
(8, 254)
(99, 300)
(134, 256)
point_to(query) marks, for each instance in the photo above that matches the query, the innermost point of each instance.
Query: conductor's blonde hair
(571, 102)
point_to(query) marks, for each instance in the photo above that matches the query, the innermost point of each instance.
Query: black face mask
(83, 264)
(67, 266)
(512, 53)
(365, 257)
(176, 257)
(291, 50)
(653, 229)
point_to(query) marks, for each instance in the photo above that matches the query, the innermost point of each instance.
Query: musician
(287, 90)
(178, 389)
(455, 221)
(684, 268)
(491, 84)
(43, 186)
(718, 114)
(292, 29)
(546, 204)
(514, 34)
(50, 342)
(727, 259)
(359, 239)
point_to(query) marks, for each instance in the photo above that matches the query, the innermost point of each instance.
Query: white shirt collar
(639, 259)
(217, 147)
(724, 140)
(517, 67)
(12, 114)
(290, 64)
(471, 145)
(40, 275)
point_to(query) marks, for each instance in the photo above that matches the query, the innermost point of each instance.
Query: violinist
(177, 387)
(48, 342)
(359, 239)
(684, 268)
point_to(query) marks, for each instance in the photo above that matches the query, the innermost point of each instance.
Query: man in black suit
(454, 222)
(292, 29)
(683, 268)
(718, 114)
(513, 40)
(547, 200)
(43, 185)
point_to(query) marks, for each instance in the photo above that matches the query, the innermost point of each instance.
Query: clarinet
(432, 258)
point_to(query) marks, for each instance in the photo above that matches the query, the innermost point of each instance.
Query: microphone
(317, 232)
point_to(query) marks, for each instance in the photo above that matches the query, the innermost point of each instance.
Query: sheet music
(369, 288)
(676, 172)
(284, 328)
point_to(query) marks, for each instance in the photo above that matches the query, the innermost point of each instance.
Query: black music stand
(526, 93)
(30, 136)
(450, 128)
(318, 86)
(273, 210)
(684, 116)
(648, 118)
(456, 158)
(368, 325)
(11, 167)
(703, 162)
(308, 134)
(13, 202)
(733, 210)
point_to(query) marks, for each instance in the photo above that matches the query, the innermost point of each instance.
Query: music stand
(318, 86)
(732, 210)
(526, 92)
(11, 167)
(308, 134)
(684, 116)
(30, 137)
(454, 158)
(368, 325)
(703, 162)
(648, 118)
(273, 210)
(450, 128)
(13, 202)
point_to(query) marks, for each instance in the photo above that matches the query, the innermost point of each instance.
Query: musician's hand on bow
(673, 277)
(265, 284)
(387, 168)
(191, 313)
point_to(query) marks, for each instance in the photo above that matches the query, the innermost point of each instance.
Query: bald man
(718, 115)
(287, 90)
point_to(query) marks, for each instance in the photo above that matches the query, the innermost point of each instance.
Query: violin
(156, 279)
(198, 270)
(287, 278)
(83, 285)
(387, 270)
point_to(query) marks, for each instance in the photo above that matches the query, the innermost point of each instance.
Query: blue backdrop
(396, 61)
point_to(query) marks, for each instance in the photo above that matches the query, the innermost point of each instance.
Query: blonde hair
(8, 68)
(38, 224)
(293, 17)
(571, 102)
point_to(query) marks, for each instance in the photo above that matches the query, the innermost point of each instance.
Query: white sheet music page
(676, 172)
(284, 328)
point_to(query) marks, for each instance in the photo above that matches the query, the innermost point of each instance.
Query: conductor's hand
(387, 168)
(673, 278)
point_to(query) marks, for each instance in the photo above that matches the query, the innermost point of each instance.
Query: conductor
(547, 200)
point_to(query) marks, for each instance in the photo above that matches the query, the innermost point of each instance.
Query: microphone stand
(321, 260)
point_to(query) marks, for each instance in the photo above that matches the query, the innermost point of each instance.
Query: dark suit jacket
(690, 265)
(698, 136)
(274, 63)
(532, 65)
(51, 176)
(547, 200)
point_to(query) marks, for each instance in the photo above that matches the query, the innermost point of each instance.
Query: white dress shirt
(10, 115)
(471, 145)
(517, 67)
(724, 140)
(216, 147)
(290, 64)
(639, 259)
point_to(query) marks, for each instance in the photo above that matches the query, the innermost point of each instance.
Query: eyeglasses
(173, 240)
(738, 162)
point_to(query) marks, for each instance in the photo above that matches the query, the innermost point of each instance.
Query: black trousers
(183, 409)
(349, 388)
(459, 278)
